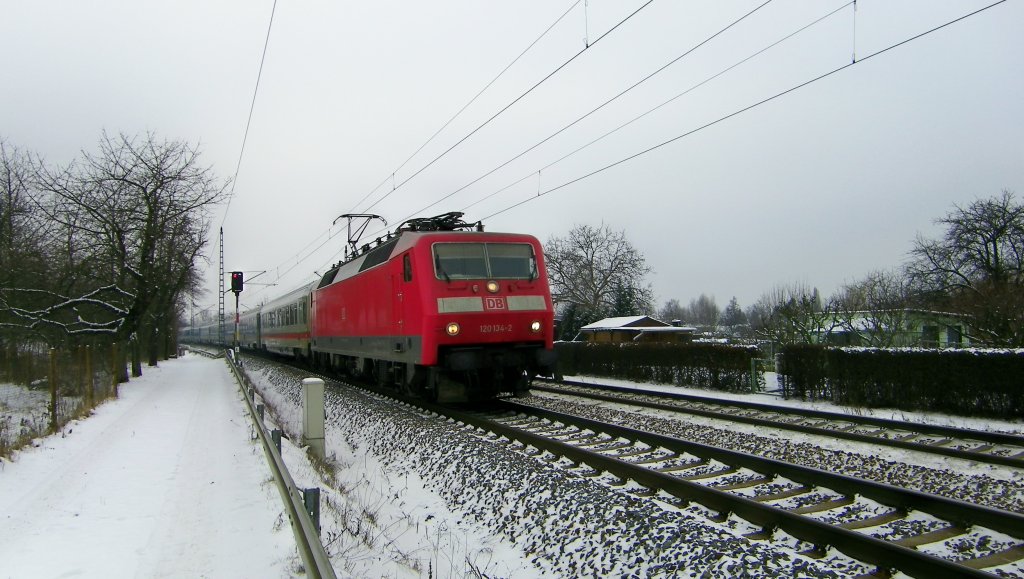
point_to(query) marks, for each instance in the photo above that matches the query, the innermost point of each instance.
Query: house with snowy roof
(632, 329)
(897, 328)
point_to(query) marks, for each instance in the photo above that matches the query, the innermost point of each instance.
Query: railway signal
(236, 282)
(236, 288)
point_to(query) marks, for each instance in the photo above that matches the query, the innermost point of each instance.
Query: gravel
(975, 488)
(563, 521)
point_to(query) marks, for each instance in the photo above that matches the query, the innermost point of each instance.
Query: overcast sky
(819, 186)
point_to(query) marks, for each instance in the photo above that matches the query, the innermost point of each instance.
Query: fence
(710, 366)
(302, 505)
(42, 389)
(966, 382)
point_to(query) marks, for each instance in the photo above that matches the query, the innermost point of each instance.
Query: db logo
(495, 304)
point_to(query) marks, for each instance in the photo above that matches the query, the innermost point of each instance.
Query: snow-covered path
(164, 481)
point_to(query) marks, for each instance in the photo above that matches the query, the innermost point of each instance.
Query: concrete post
(313, 415)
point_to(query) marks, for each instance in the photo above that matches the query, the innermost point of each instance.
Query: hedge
(709, 366)
(966, 382)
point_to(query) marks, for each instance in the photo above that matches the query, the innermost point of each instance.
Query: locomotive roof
(402, 241)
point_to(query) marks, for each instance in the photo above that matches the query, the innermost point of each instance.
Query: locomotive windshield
(484, 261)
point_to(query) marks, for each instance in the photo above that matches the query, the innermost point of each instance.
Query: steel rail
(913, 427)
(885, 554)
(317, 563)
(955, 511)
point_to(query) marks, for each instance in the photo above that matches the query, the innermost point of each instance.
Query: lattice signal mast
(220, 293)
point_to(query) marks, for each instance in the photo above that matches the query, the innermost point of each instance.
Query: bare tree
(704, 312)
(793, 314)
(671, 311)
(977, 268)
(181, 249)
(132, 222)
(598, 272)
(21, 237)
(24, 261)
(874, 309)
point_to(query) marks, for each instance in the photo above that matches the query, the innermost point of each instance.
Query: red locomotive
(438, 308)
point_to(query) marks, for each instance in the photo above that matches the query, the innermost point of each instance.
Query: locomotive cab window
(511, 260)
(484, 260)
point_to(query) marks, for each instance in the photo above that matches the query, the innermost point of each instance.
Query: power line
(638, 83)
(738, 112)
(514, 101)
(745, 109)
(662, 105)
(471, 101)
(599, 107)
(482, 125)
(391, 176)
(252, 107)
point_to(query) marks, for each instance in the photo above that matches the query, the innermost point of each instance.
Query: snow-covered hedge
(702, 365)
(966, 382)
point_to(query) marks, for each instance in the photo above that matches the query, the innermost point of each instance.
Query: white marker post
(313, 415)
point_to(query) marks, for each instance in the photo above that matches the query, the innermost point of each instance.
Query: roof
(645, 323)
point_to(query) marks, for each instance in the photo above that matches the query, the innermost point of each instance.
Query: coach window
(407, 267)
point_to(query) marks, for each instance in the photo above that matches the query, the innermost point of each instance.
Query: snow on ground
(166, 481)
(22, 411)
(415, 495)
(163, 482)
(925, 460)
(772, 397)
(379, 520)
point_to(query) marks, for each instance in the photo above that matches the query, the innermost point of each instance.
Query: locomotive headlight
(535, 326)
(492, 286)
(453, 329)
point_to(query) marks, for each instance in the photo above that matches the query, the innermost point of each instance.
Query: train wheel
(385, 379)
(521, 385)
(413, 380)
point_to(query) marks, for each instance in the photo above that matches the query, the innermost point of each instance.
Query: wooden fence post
(115, 373)
(89, 394)
(53, 390)
(11, 352)
(79, 368)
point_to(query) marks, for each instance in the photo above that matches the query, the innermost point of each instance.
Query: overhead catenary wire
(540, 193)
(598, 108)
(521, 96)
(658, 107)
(298, 258)
(745, 109)
(620, 127)
(252, 107)
(511, 104)
(391, 176)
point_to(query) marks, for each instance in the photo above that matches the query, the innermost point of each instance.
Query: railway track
(981, 446)
(886, 527)
(206, 353)
(881, 528)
